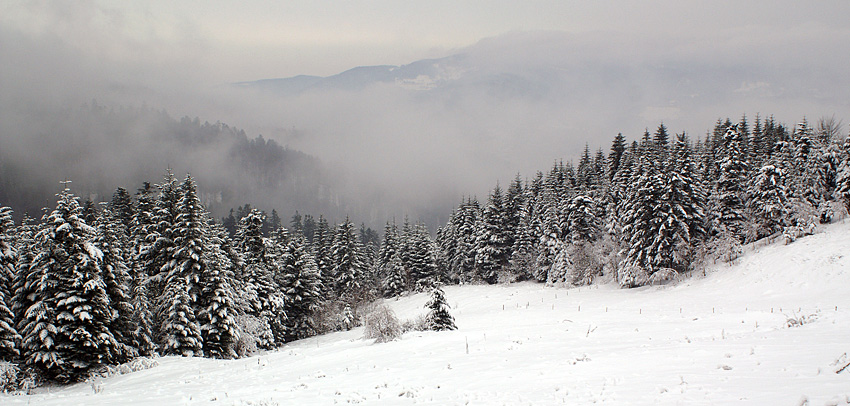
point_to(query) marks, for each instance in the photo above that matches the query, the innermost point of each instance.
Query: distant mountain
(420, 75)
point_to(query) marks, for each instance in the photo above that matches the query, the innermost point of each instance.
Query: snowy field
(720, 339)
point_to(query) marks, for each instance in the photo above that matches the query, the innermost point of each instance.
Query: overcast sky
(254, 39)
(628, 66)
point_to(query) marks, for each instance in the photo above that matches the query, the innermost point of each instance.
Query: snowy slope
(718, 339)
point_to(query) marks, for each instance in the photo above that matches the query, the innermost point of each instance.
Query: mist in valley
(108, 96)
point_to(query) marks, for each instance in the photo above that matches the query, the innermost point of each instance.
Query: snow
(722, 338)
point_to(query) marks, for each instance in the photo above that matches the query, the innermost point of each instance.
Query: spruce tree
(524, 250)
(217, 315)
(842, 182)
(180, 328)
(729, 200)
(302, 287)
(438, 317)
(768, 202)
(121, 207)
(66, 330)
(618, 148)
(263, 296)
(464, 259)
(9, 336)
(322, 241)
(111, 240)
(491, 242)
(390, 262)
(141, 233)
(423, 266)
(348, 268)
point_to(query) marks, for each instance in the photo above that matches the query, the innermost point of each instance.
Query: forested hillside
(154, 273)
(101, 148)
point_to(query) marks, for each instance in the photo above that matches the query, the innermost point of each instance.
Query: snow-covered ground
(719, 339)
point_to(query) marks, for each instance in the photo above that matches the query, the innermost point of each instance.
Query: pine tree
(640, 223)
(141, 231)
(618, 148)
(322, 241)
(768, 203)
(438, 318)
(583, 223)
(121, 207)
(390, 262)
(217, 315)
(9, 336)
(661, 143)
(111, 241)
(25, 281)
(491, 242)
(464, 259)
(66, 330)
(265, 301)
(348, 268)
(182, 275)
(423, 266)
(524, 250)
(302, 286)
(681, 219)
(514, 201)
(157, 247)
(729, 203)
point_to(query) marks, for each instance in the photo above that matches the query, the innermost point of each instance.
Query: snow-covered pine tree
(121, 207)
(265, 300)
(322, 242)
(9, 336)
(141, 233)
(681, 218)
(179, 305)
(768, 201)
(584, 226)
(25, 282)
(638, 217)
(438, 317)
(514, 201)
(423, 265)
(388, 257)
(217, 315)
(348, 268)
(157, 245)
(842, 177)
(302, 286)
(491, 241)
(525, 242)
(618, 148)
(464, 259)
(111, 240)
(66, 330)
(729, 200)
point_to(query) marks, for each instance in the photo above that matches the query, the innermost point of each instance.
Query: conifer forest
(152, 272)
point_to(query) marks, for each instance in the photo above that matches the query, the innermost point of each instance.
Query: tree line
(154, 273)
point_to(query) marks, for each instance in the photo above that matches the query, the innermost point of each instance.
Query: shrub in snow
(631, 275)
(417, 324)
(9, 377)
(135, 365)
(797, 321)
(662, 276)
(382, 325)
(438, 318)
(253, 333)
(347, 320)
(15, 380)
